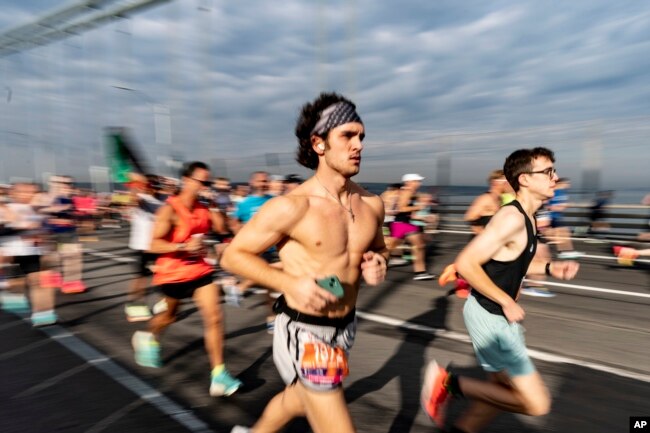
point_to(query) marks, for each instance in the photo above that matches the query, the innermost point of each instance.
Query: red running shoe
(73, 287)
(434, 396)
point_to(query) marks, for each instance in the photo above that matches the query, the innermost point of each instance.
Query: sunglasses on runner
(203, 182)
(550, 172)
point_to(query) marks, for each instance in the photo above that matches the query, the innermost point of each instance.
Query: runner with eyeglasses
(182, 272)
(494, 263)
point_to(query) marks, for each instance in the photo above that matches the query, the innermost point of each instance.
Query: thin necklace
(349, 209)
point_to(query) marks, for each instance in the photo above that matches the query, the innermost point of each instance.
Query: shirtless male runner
(328, 226)
(494, 263)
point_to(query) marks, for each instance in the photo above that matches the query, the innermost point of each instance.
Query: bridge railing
(623, 221)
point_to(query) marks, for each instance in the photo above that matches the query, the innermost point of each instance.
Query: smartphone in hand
(332, 284)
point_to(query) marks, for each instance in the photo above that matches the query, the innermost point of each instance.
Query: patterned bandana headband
(335, 115)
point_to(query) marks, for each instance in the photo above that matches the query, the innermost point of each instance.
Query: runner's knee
(539, 406)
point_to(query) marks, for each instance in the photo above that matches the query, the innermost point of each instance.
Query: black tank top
(481, 221)
(508, 275)
(405, 217)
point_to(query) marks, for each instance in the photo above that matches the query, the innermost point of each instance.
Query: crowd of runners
(307, 244)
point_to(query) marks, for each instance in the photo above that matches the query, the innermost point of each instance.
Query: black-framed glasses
(550, 172)
(207, 183)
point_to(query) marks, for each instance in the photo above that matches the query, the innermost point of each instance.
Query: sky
(446, 89)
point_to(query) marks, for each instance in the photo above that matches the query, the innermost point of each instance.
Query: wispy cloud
(426, 76)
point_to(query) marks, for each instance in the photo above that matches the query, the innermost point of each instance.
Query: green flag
(121, 155)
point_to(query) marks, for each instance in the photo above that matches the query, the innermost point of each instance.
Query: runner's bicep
(256, 237)
(273, 222)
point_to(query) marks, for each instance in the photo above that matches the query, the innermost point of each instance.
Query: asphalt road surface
(591, 343)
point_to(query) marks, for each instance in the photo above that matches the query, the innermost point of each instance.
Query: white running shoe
(397, 261)
(423, 276)
(159, 307)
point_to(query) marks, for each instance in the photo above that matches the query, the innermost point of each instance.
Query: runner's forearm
(255, 268)
(161, 246)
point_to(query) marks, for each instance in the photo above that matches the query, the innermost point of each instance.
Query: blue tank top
(509, 275)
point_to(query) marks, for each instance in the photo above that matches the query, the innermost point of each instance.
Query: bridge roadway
(592, 348)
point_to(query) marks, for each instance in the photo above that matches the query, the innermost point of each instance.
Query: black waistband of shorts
(281, 306)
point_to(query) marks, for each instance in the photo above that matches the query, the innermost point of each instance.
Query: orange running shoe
(434, 396)
(625, 255)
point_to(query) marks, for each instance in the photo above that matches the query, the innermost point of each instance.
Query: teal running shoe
(43, 318)
(223, 384)
(14, 302)
(147, 350)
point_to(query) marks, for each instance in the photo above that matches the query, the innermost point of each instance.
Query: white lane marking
(590, 288)
(535, 354)
(10, 325)
(454, 232)
(23, 349)
(52, 381)
(115, 416)
(588, 256)
(104, 255)
(92, 356)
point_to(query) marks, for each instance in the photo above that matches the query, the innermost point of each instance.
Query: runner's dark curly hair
(309, 115)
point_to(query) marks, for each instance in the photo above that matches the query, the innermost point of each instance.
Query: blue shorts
(498, 345)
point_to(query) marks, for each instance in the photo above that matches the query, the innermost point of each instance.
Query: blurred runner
(403, 229)
(276, 185)
(26, 249)
(59, 206)
(181, 272)
(142, 223)
(327, 227)
(246, 209)
(292, 182)
(487, 204)
(559, 233)
(494, 263)
(389, 198)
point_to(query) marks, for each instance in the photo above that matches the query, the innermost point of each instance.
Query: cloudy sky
(456, 84)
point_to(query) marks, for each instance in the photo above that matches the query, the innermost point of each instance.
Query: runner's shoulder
(508, 217)
(288, 207)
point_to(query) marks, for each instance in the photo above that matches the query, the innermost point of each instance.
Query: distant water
(464, 194)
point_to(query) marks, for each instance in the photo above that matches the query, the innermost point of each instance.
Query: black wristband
(547, 270)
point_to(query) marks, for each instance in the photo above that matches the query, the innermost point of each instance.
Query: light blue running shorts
(498, 345)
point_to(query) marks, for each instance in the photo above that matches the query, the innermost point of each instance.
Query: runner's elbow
(226, 259)
(231, 257)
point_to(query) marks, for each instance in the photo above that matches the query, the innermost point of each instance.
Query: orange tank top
(179, 267)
